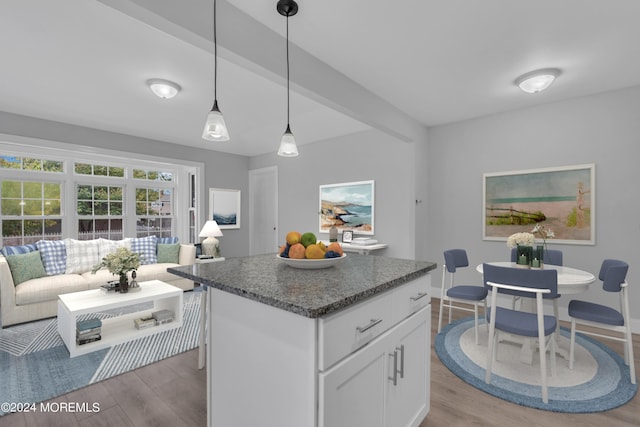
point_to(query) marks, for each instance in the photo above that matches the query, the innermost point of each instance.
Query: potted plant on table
(119, 263)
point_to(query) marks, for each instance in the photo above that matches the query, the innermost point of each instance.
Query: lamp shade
(210, 229)
(537, 81)
(288, 147)
(215, 128)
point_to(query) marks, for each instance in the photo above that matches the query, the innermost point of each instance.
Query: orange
(296, 251)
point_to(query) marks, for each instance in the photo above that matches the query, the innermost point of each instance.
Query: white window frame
(69, 154)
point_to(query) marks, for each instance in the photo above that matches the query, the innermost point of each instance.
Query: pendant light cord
(288, 102)
(215, 54)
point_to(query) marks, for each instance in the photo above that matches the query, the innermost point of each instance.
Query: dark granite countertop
(309, 293)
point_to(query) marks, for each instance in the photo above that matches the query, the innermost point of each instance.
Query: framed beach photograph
(348, 206)
(562, 199)
(224, 207)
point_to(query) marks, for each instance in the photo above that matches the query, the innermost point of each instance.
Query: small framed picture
(347, 236)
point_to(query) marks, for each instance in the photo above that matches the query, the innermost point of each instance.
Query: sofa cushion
(146, 247)
(54, 256)
(17, 250)
(25, 267)
(48, 288)
(168, 253)
(82, 255)
(107, 246)
(167, 240)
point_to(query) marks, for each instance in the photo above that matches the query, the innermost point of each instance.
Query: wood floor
(172, 393)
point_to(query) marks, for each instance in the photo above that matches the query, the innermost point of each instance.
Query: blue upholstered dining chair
(523, 283)
(451, 294)
(552, 257)
(613, 274)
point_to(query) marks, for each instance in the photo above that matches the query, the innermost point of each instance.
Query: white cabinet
(384, 384)
(364, 366)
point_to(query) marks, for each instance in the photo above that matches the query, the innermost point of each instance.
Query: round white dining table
(570, 280)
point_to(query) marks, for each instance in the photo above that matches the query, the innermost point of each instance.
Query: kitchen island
(344, 346)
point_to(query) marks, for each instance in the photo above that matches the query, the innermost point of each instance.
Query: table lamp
(210, 245)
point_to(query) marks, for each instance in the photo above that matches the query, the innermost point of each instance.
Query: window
(30, 164)
(100, 211)
(67, 192)
(154, 212)
(31, 211)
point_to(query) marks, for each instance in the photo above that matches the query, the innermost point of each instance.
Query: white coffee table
(117, 330)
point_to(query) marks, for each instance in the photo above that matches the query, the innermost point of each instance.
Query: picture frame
(347, 236)
(560, 198)
(224, 207)
(349, 206)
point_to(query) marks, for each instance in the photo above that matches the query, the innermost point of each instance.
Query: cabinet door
(408, 399)
(352, 393)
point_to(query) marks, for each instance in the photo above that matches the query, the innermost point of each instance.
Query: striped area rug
(35, 365)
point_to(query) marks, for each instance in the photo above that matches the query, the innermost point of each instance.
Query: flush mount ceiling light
(288, 146)
(215, 129)
(537, 81)
(164, 89)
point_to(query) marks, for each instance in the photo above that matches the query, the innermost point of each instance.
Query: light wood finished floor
(172, 393)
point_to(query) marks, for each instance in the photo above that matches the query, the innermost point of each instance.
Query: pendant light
(288, 146)
(215, 128)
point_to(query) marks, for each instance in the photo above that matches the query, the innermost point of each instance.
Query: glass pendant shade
(288, 147)
(215, 128)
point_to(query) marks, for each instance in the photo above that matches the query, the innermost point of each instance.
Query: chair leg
(440, 315)
(573, 343)
(491, 349)
(552, 355)
(475, 314)
(629, 352)
(543, 366)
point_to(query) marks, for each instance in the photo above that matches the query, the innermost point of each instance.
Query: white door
(263, 210)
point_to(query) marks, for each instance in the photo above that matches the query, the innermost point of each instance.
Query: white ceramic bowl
(312, 264)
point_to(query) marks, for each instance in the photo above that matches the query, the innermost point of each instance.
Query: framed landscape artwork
(348, 206)
(562, 199)
(224, 207)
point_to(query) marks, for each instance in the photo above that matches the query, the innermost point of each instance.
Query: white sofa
(37, 298)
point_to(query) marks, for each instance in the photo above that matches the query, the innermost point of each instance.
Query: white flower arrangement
(521, 239)
(544, 233)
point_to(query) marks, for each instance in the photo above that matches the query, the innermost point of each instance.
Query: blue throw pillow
(146, 247)
(17, 250)
(167, 240)
(54, 256)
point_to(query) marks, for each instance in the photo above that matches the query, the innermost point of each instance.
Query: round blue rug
(604, 386)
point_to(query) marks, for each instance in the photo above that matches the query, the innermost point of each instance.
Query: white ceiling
(85, 62)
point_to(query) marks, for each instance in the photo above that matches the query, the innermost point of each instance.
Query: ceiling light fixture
(288, 146)
(215, 128)
(538, 80)
(164, 89)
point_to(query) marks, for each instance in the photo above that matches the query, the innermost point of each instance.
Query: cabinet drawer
(411, 297)
(344, 332)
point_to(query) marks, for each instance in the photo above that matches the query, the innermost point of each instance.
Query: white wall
(369, 155)
(603, 129)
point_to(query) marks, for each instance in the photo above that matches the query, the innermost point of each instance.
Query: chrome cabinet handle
(420, 295)
(394, 378)
(401, 350)
(371, 324)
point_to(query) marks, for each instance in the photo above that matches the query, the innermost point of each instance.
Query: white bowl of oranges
(306, 252)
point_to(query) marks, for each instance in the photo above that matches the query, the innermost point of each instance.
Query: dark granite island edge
(308, 293)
